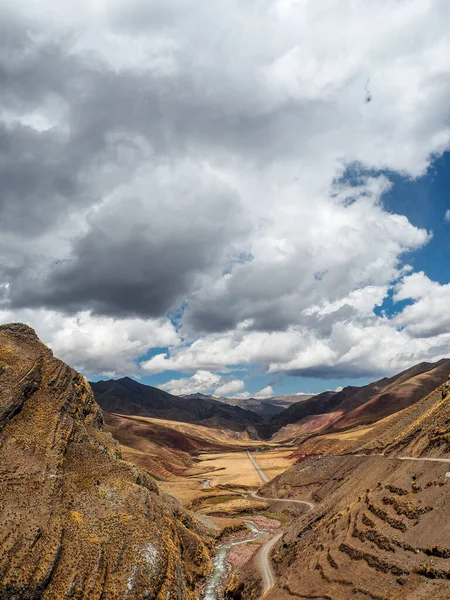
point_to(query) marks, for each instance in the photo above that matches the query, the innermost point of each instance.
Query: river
(220, 562)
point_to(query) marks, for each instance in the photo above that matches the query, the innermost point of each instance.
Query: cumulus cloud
(266, 392)
(161, 187)
(204, 382)
(447, 216)
(241, 396)
(201, 382)
(96, 345)
(231, 387)
(427, 316)
(361, 347)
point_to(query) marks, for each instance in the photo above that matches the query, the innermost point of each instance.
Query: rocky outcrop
(77, 521)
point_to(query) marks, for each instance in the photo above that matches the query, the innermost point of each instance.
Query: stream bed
(220, 562)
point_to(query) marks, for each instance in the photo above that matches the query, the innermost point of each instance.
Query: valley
(345, 494)
(260, 527)
(260, 495)
(340, 490)
(328, 467)
(217, 475)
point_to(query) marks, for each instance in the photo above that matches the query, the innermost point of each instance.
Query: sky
(233, 198)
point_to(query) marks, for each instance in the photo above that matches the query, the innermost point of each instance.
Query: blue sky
(425, 202)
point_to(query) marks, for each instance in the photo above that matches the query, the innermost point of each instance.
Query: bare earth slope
(420, 429)
(356, 406)
(380, 526)
(397, 393)
(77, 521)
(379, 531)
(428, 431)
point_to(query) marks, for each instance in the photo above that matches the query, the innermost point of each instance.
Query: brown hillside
(354, 406)
(128, 397)
(77, 521)
(168, 448)
(398, 393)
(380, 526)
(421, 429)
(428, 433)
(379, 531)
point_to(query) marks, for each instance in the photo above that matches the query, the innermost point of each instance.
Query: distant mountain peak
(128, 397)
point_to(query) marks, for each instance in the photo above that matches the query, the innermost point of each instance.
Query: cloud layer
(176, 175)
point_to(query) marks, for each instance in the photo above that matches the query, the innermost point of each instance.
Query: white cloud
(216, 351)
(362, 346)
(201, 382)
(428, 316)
(204, 382)
(230, 388)
(241, 396)
(447, 215)
(94, 344)
(414, 286)
(266, 392)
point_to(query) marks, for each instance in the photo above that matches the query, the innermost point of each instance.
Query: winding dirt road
(263, 562)
(258, 469)
(415, 458)
(441, 460)
(263, 556)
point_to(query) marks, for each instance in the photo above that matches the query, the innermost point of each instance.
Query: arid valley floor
(349, 524)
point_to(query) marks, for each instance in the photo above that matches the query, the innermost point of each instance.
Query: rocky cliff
(76, 520)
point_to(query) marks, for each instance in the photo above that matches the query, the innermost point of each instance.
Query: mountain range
(265, 407)
(128, 397)
(328, 412)
(356, 406)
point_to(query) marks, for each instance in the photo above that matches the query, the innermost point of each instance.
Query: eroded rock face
(77, 521)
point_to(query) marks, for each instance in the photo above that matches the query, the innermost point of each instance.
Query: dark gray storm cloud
(36, 179)
(136, 261)
(136, 255)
